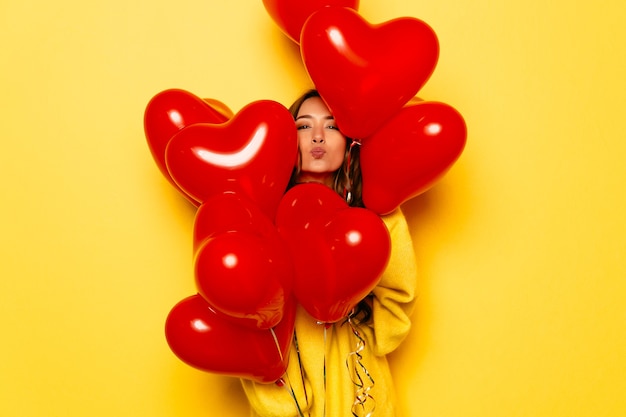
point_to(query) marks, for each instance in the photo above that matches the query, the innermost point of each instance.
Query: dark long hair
(347, 182)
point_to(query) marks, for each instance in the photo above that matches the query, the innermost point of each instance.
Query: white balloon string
(364, 403)
(281, 382)
(280, 353)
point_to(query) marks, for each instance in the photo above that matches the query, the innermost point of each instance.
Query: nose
(318, 136)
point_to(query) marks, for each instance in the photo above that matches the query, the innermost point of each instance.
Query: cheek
(338, 157)
(338, 149)
(303, 138)
(301, 147)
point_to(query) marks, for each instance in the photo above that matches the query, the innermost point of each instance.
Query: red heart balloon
(410, 153)
(237, 273)
(242, 266)
(252, 154)
(171, 110)
(228, 212)
(307, 205)
(339, 252)
(290, 15)
(202, 338)
(366, 72)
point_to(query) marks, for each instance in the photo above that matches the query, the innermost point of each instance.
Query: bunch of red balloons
(258, 251)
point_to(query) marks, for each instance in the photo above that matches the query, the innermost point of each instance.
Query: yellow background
(522, 308)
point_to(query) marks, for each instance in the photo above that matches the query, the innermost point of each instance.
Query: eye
(301, 127)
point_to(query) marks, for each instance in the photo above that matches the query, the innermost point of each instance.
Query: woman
(325, 154)
(319, 381)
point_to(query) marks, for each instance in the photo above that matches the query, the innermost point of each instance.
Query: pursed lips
(318, 152)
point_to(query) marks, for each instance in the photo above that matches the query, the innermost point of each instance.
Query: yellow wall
(522, 308)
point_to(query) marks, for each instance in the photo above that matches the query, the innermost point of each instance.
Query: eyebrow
(308, 116)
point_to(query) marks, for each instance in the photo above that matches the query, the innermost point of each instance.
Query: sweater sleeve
(394, 296)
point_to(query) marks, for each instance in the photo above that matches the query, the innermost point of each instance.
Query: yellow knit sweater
(306, 391)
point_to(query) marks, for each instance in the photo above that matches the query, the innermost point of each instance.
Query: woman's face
(322, 146)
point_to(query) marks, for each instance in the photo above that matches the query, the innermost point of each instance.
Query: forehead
(314, 106)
